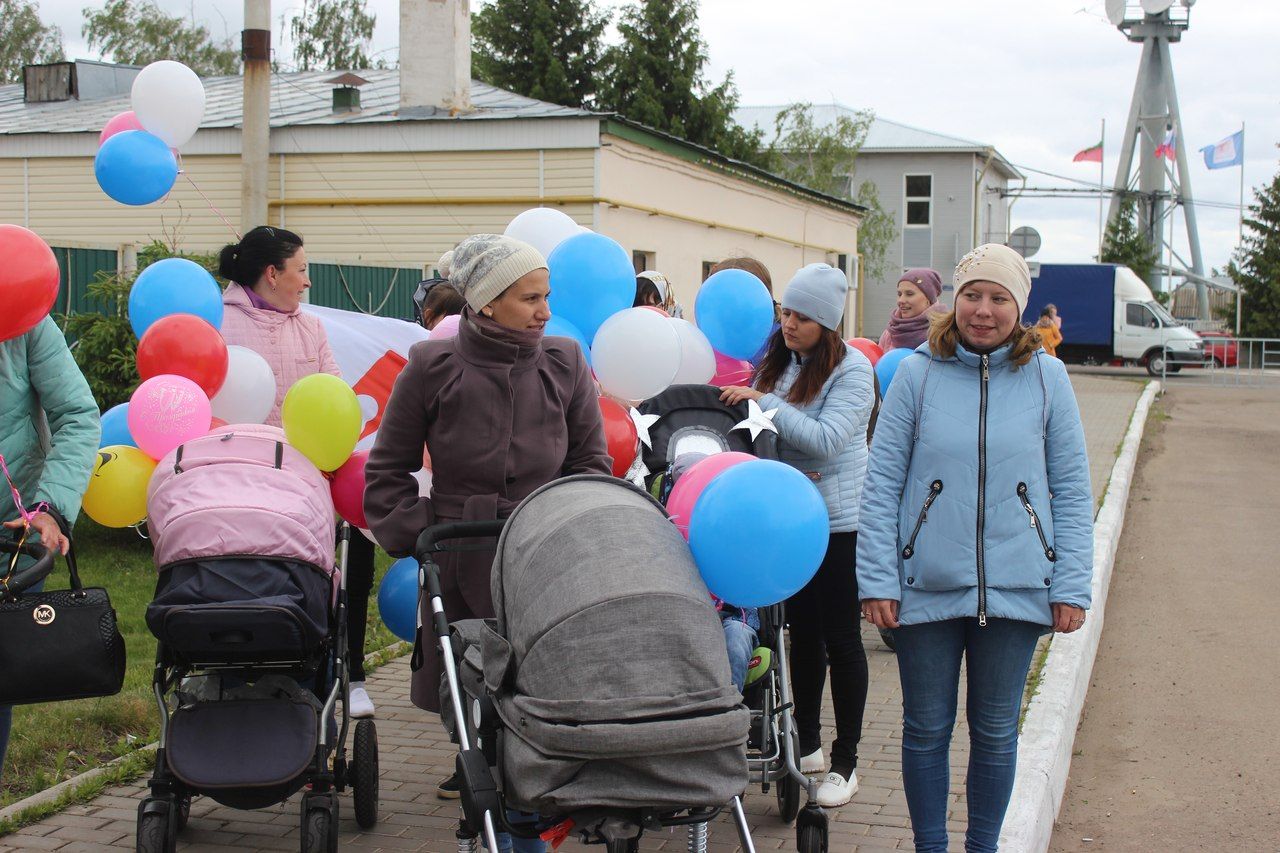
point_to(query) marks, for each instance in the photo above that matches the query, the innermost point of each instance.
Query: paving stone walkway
(416, 754)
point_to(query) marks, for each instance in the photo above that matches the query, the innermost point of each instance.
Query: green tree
(1256, 265)
(331, 35)
(1124, 244)
(25, 39)
(544, 49)
(824, 157)
(138, 32)
(656, 76)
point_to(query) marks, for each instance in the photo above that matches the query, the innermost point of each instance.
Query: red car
(1220, 347)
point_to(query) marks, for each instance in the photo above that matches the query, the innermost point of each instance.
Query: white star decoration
(758, 420)
(638, 471)
(643, 422)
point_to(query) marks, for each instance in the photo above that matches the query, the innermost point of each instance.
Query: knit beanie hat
(484, 265)
(444, 264)
(818, 291)
(1000, 264)
(926, 281)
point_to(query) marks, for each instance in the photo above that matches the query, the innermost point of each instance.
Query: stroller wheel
(320, 824)
(157, 832)
(364, 773)
(788, 798)
(182, 812)
(623, 845)
(813, 839)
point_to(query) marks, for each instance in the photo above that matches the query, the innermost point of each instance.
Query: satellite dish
(1115, 12)
(1155, 7)
(1025, 241)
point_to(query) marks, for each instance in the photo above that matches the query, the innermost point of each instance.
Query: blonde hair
(944, 336)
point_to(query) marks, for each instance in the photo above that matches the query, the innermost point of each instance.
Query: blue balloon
(592, 278)
(134, 167)
(887, 366)
(735, 311)
(173, 286)
(398, 598)
(561, 327)
(758, 533)
(115, 427)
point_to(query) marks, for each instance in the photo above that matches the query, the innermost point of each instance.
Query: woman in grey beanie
(822, 393)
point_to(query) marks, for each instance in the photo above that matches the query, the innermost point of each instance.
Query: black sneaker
(449, 789)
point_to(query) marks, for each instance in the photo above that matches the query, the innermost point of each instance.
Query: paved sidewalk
(415, 753)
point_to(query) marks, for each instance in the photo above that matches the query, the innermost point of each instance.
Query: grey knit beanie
(484, 265)
(998, 264)
(818, 291)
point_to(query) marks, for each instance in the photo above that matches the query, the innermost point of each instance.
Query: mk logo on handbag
(44, 615)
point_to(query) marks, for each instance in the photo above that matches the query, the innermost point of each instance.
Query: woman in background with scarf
(918, 292)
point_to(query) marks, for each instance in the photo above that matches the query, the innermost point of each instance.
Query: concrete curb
(1049, 730)
(48, 795)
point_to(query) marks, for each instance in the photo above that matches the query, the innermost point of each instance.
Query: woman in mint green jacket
(49, 432)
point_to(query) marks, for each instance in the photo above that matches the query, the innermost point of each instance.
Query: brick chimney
(435, 55)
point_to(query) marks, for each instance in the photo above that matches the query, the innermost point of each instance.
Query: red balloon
(184, 345)
(867, 347)
(28, 280)
(216, 423)
(620, 435)
(347, 488)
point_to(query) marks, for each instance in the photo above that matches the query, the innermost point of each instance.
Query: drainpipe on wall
(977, 187)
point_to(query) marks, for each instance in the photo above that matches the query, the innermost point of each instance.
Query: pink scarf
(911, 332)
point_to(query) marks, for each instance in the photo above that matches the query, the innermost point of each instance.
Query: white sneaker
(836, 790)
(813, 763)
(359, 704)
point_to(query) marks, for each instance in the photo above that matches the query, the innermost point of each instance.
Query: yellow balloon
(117, 493)
(322, 419)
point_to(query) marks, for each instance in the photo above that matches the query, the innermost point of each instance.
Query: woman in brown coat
(503, 410)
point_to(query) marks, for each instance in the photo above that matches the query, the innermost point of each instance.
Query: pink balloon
(731, 371)
(446, 328)
(689, 487)
(347, 488)
(123, 121)
(165, 411)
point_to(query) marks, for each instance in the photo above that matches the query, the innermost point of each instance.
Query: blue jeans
(740, 641)
(6, 722)
(998, 658)
(508, 843)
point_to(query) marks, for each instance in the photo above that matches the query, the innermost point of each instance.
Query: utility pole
(255, 134)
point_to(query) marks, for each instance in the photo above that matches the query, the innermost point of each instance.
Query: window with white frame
(917, 221)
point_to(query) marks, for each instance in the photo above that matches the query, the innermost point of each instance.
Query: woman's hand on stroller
(881, 612)
(735, 394)
(50, 535)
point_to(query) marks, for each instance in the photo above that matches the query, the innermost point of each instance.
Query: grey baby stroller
(599, 699)
(692, 420)
(250, 614)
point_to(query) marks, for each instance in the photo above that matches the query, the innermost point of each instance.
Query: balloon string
(26, 514)
(187, 175)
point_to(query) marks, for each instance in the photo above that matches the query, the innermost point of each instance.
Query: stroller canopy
(693, 420)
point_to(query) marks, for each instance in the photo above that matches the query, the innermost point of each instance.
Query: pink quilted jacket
(293, 344)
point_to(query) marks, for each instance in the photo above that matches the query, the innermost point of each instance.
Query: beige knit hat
(484, 265)
(999, 264)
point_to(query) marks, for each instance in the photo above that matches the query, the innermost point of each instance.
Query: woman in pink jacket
(262, 311)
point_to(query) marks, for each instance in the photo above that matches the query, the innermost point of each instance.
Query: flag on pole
(1228, 152)
(1092, 154)
(1168, 148)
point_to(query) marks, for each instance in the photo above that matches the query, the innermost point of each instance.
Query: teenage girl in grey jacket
(821, 394)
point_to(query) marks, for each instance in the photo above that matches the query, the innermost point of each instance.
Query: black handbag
(59, 644)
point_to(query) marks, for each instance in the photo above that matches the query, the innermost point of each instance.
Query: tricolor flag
(1168, 148)
(1228, 152)
(1092, 154)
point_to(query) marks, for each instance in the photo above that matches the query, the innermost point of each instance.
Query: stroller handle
(28, 576)
(430, 538)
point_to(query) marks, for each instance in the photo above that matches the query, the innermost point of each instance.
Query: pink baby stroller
(250, 612)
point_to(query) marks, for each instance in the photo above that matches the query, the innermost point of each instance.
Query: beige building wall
(686, 214)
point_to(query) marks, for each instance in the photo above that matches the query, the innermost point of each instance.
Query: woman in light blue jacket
(821, 393)
(977, 535)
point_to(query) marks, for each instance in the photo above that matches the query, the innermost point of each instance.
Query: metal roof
(883, 136)
(297, 98)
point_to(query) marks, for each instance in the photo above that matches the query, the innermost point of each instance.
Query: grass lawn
(53, 742)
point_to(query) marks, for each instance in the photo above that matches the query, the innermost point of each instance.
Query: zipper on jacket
(982, 490)
(1035, 522)
(935, 489)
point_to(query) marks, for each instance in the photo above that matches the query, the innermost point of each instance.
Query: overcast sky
(1034, 78)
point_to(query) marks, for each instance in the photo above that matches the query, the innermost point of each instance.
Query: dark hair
(442, 299)
(751, 265)
(827, 355)
(264, 246)
(1046, 311)
(646, 293)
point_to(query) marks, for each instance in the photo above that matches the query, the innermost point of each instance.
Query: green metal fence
(78, 268)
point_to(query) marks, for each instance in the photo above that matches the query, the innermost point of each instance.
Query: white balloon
(168, 99)
(636, 354)
(249, 391)
(543, 228)
(697, 358)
